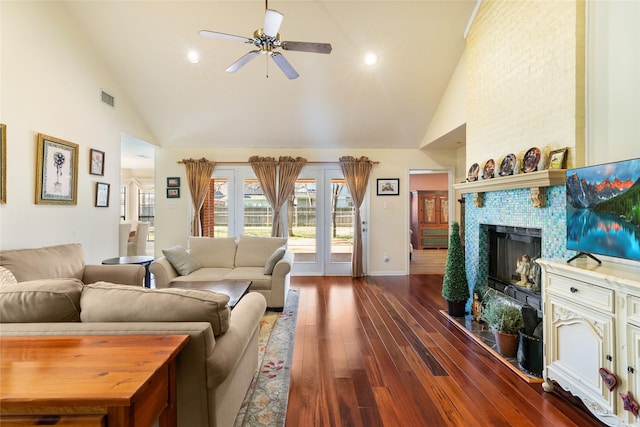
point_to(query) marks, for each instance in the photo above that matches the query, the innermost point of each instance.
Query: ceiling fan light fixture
(272, 22)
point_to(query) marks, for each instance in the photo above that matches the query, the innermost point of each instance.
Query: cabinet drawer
(581, 292)
(633, 309)
(435, 232)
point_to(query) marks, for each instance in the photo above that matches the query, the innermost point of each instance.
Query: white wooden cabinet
(592, 321)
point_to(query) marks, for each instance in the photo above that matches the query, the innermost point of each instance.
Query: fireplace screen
(512, 270)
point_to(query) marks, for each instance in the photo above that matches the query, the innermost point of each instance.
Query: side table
(140, 260)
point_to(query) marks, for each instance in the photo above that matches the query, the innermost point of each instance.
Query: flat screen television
(603, 210)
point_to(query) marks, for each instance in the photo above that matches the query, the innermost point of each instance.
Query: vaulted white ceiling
(337, 101)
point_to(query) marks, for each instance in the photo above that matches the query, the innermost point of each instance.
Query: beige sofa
(65, 261)
(215, 368)
(233, 259)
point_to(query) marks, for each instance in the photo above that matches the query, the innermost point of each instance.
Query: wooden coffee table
(234, 290)
(116, 380)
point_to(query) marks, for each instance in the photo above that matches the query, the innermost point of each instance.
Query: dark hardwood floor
(377, 352)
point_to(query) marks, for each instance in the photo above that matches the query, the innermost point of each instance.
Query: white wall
(50, 83)
(613, 81)
(388, 216)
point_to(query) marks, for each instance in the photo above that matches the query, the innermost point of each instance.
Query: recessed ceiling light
(193, 57)
(370, 58)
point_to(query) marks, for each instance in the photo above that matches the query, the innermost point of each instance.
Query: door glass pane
(341, 221)
(258, 214)
(302, 221)
(220, 207)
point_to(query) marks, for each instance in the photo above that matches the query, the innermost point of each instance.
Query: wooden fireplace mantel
(535, 181)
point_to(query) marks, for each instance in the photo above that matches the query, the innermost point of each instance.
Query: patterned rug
(265, 404)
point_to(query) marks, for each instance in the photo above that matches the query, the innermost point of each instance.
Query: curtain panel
(198, 176)
(356, 174)
(277, 179)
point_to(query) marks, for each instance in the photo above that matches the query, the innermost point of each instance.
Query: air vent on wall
(108, 99)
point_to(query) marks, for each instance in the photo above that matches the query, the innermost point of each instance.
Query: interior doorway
(430, 211)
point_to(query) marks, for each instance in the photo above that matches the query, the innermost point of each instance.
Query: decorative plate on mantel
(473, 172)
(489, 169)
(531, 160)
(508, 165)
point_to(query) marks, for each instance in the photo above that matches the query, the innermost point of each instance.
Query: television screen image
(603, 209)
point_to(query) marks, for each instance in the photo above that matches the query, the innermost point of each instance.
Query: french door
(318, 218)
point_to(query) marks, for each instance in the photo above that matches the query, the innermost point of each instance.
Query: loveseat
(265, 261)
(215, 368)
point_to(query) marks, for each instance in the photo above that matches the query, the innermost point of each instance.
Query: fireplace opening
(512, 268)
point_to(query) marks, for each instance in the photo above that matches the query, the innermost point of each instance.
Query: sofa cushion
(254, 251)
(205, 274)
(51, 262)
(7, 277)
(273, 260)
(40, 301)
(180, 260)
(258, 280)
(213, 252)
(108, 302)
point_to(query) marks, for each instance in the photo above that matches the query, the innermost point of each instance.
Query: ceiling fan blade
(242, 61)
(272, 22)
(284, 65)
(307, 47)
(216, 35)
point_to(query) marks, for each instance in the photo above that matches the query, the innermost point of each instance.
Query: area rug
(265, 404)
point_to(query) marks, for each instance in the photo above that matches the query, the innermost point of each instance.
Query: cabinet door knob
(609, 358)
(573, 290)
(630, 369)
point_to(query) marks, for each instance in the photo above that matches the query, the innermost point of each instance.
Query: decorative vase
(507, 344)
(456, 308)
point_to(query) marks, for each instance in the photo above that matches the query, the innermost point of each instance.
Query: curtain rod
(307, 163)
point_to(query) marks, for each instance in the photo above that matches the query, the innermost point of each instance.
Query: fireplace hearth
(512, 270)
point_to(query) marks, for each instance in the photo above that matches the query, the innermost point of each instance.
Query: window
(146, 209)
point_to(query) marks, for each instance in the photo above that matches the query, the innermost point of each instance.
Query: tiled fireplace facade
(513, 208)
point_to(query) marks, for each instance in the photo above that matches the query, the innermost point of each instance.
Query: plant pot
(456, 308)
(507, 344)
(530, 354)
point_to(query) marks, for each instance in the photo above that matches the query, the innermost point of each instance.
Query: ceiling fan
(267, 39)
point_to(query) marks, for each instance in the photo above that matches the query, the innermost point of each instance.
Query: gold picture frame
(558, 159)
(3, 163)
(56, 171)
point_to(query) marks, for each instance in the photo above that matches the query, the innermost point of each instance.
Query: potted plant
(506, 321)
(455, 288)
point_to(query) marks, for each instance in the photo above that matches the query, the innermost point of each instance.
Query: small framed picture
(96, 165)
(388, 186)
(558, 159)
(173, 193)
(102, 194)
(173, 182)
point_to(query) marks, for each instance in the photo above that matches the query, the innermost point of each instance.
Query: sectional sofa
(215, 368)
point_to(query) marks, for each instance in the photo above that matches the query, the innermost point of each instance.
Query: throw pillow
(7, 277)
(44, 300)
(181, 260)
(273, 260)
(108, 302)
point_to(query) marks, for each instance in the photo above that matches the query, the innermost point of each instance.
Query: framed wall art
(97, 162)
(173, 181)
(558, 159)
(388, 186)
(173, 193)
(56, 171)
(3, 163)
(102, 194)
